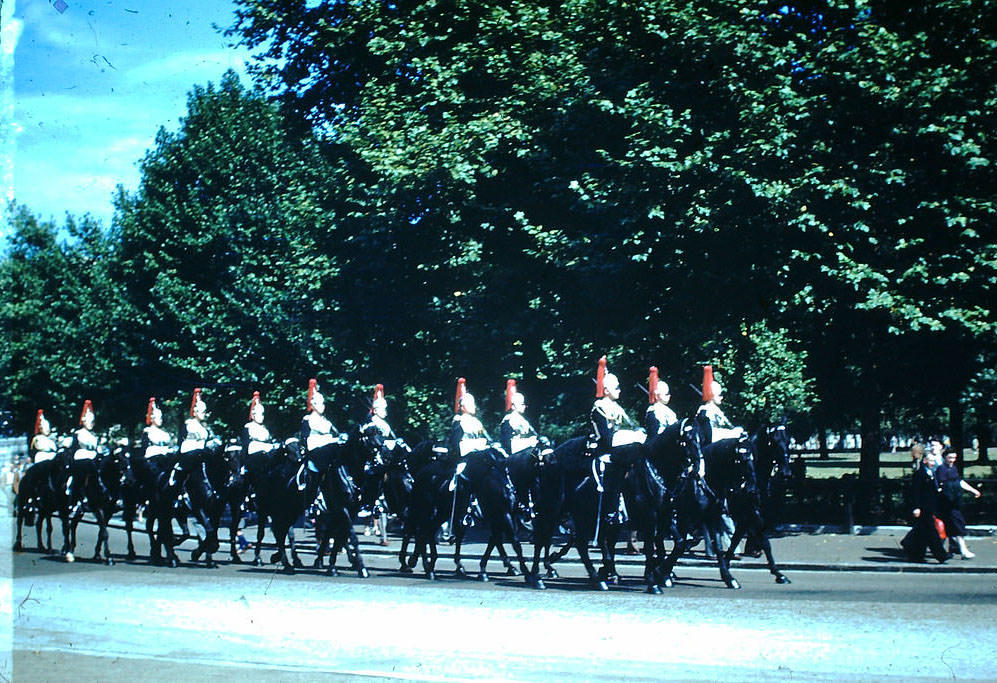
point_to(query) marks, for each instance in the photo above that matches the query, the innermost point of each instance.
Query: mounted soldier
(378, 425)
(516, 434)
(83, 450)
(523, 445)
(467, 434)
(721, 426)
(658, 415)
(156, 441)
(196, 439)
(608, 418)
(43, 446)
(316, 429)
(255, 437)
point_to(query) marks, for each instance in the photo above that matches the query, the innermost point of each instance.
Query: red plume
(707, 383)
(38, 421)
(461, 390)
(148, 410)
(652, 385)
(510, 390)
(312, 384)
(253, 403)
(378, 393)
(87, 408)
(193, 401)
(600, 378)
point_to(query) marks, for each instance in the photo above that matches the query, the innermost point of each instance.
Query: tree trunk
(956, 414)
(871, 435)
(983, 434)
(822, 442)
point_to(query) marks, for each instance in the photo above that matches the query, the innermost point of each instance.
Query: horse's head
(115, 465)
(230, 469)
(690, 440)
(772, 443)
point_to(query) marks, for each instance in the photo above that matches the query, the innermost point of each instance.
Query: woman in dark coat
(924, 496)
(951, 485)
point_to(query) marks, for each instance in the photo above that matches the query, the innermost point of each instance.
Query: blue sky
(91, 87)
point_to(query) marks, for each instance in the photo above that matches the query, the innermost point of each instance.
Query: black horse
(245, 495)
(699, 508)
(292, 484)
(173, 499)
(442, 493)
(648, 488)
(146, 491)
(731, 471)
(41, 494)
(341, 500)
(208, 492)
(98, 494)
(575, 491)
(524, 471)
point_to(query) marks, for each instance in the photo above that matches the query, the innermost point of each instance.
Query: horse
(442, 492)
(292, 485)
(647, 491)
(171, 485)
(571, 486)
(207, 488)
(40, 495)
(524, 471)
(99, 495)
(341, 498)
(244, 496)
(698, 508)
(149, 481)
(732, 473)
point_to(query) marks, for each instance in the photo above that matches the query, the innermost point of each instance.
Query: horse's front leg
(680, 548)
(607, 545)
(722, 563)
(353, 547)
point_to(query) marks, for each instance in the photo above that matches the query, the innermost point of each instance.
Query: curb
(870, 530)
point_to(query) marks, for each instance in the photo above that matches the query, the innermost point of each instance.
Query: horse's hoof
(653, 589)
(109, 561)
(431, 576)
(17, 547)
(552, 574)
(405, 569)
(70, 557)
(460, 572)
(511, 571)
(257, 561)
(317, 564)
(131, 556)
(363, 573)
(602, 585)
(332, 571)
(483, 577)
(211, 564)
(734, 584)
(669, 582)
(540, 585)
(780, 578)
(235, 559)
(274, 558)
(173, 563)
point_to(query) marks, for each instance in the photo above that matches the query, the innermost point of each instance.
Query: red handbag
(940, 528)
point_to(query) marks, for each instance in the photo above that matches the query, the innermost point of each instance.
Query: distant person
(951, 485)
(916, 453)
(924, 495)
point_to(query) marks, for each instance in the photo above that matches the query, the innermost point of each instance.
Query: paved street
(135, 620)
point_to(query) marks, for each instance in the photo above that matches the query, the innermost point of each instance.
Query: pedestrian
(951, 485)
(916, 453)
(924, 532)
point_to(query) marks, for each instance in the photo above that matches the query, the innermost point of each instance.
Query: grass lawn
(891, 465)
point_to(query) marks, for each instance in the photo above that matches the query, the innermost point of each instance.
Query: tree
(62, 316)
(228, 250)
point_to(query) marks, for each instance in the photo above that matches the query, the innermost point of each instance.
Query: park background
(405, 193)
